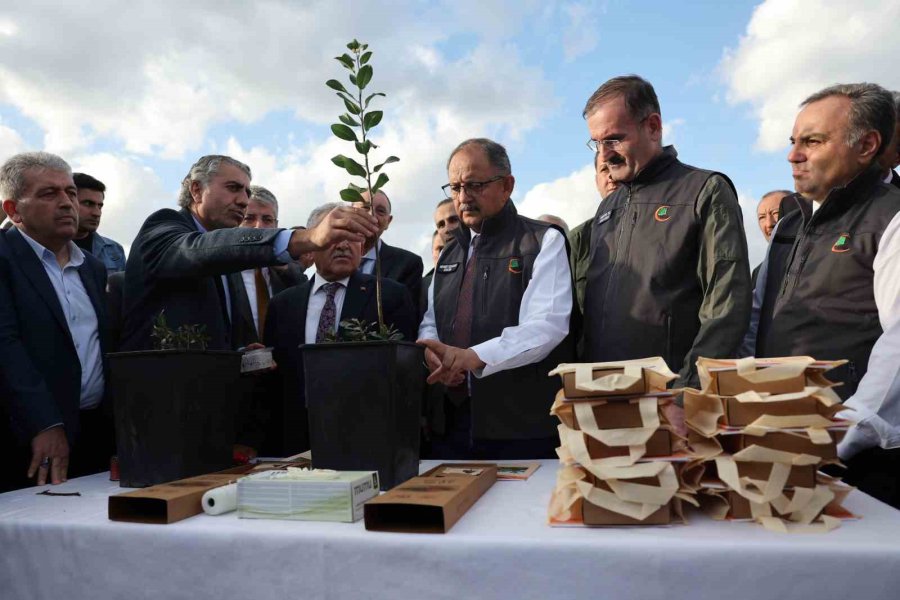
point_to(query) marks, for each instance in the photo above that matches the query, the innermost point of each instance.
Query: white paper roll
(220, 500)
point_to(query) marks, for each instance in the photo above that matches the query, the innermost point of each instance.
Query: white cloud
(133, 191)
(582, 34)
(574, 198)
(670, 129)
(10, 142)
(793, 48)
(168, 71)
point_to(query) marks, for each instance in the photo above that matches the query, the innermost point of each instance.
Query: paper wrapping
(220, 500)
(757, 372)
(657, 374)
(633, 500)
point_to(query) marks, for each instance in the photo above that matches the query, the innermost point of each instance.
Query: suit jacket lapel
(243, 329)
(357, 297)
(34, 271)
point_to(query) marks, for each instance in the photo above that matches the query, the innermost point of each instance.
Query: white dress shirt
(249, 277)
(543, 314)
(367, 263)
(877, 399)
(80, 317)
(316, 303)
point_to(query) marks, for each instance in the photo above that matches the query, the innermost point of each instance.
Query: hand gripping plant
(355, 126)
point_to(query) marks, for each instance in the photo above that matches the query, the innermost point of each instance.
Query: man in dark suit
(180, 260)
(52, 330)
(396, 263)
(889, 160)
(437, 244)
(310, 313)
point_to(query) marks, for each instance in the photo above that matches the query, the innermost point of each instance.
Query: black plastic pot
(365, 405)
(174, 413)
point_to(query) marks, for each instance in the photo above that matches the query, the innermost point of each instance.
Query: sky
(133, 93)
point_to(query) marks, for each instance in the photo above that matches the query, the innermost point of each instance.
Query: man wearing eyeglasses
(669, 274)
(498, 317)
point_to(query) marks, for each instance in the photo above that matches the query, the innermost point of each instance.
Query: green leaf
(358, 188)
(366, 104)
(345, 60)
(336, 85)
(343, 132)
(390, 159)
(364, 46)
(354, 45)
(351, 195)
(354, 168)
(365, 58)
(348, 120)
(363, 147)
(353, 79)
(364, 76)
(382, 179)
(372, 119)
(352, 107)
(339, 160)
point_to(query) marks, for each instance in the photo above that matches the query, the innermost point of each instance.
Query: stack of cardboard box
(619, 454)
(761, 428)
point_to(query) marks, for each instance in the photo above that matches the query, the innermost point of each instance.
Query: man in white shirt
(53, 330)
(498, 316)
(312, 313)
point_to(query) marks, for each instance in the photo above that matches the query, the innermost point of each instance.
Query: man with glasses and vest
(668, 273)
(839, 282)
(498, 317)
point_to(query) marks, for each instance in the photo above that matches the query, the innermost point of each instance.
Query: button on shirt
(317, 302)
(80, 317)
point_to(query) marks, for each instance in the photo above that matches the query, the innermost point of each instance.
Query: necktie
(462, 323)
(326, 318)
(262, 301)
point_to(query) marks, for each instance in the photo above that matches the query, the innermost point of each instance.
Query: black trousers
(876, 472)
(457, 442)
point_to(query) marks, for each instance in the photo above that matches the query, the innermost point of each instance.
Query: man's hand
(449, 364)
(49, 444)
(342, 223)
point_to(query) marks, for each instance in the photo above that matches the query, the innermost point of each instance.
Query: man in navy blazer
(304, 314)
(180, 261)
(53, 325)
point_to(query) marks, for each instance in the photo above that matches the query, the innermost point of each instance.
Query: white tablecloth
(66, 548)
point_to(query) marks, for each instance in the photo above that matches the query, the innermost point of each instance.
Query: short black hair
(86, 182)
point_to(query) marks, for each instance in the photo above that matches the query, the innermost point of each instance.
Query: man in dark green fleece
(668, 273)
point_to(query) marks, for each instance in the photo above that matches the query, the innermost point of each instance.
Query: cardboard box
(659, 444)
(432, 502)
(740, 414)
(171, 502)
(639, 387)
(595, 515)
(799, 476)
(786, 442)
(610, 414)
(724, 379)
(728, 383)
(167, 502)
(271, 495)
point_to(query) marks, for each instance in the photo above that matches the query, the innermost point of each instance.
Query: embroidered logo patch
(447, 268)
(662, 214)
(842, 244)
(604, 217)
(515, 265)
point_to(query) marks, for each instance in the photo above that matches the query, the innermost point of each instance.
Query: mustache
(616, 160)
(467, 207)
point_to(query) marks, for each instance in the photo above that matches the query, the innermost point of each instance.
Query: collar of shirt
(889, 177)
(319, 281)
(198, 223)
(371, 253)
(76, 256)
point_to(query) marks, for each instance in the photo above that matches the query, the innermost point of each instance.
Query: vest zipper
(669, 340)
(484, 295)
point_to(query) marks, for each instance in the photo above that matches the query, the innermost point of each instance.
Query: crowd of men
(661, 269)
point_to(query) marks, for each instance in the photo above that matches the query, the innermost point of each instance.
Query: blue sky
(135, 93)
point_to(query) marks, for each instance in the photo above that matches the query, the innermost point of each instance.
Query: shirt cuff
(486, 352)
(280, 247)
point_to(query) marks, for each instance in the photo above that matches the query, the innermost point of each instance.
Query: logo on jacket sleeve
(515, 265)
(842, 244)
(663, 214)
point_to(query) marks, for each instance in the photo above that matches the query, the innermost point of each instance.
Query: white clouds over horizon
(793, 48)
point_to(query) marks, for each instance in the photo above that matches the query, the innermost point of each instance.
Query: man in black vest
(668, 273)
(498, 316)
(840, 283)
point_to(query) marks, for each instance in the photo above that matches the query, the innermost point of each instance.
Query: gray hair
(639, 96)
(496, 154)
(203, 171)
(318, 213)
(13, 183)
(260, 194)
(871, 108)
